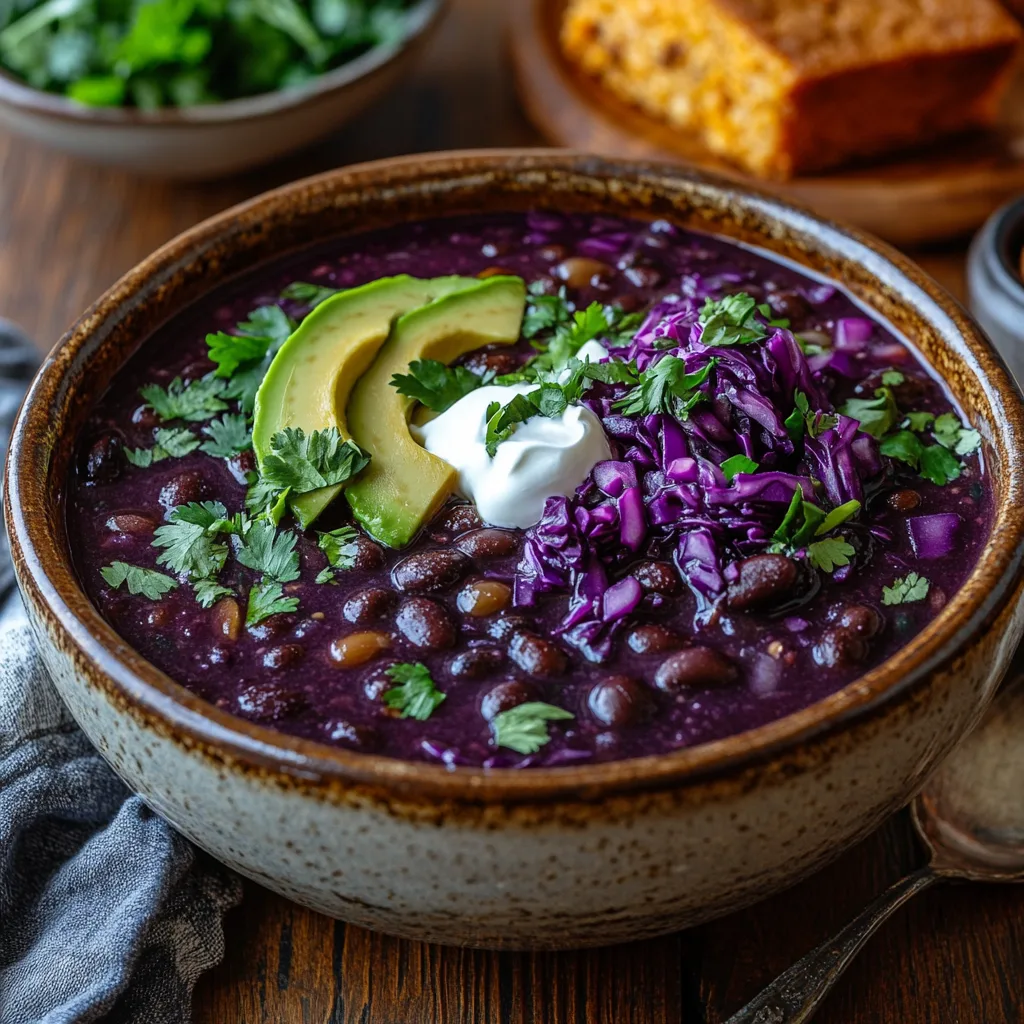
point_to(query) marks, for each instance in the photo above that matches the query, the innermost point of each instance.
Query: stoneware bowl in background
(215, 139)
(995, 282)
(551, 857)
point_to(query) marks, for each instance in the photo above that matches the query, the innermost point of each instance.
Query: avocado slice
(310, 379)
(404, 484)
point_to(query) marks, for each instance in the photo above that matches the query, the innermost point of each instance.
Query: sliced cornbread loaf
(786, 87)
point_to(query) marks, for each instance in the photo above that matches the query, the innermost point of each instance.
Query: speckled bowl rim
(138, 688)
(19, 95)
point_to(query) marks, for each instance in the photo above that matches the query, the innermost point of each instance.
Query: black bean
(458, 519)
(862, 619)
(656, 577)
(903, 501)
(426, 624)
(644, 276)
(580, 271)
(476, 663)
(653, 639)
(840, 647)
(936, 599)
(619, 701)
(536, 656)
(267, 701)
(105, 459)
(132, 523)
(496, 362)
(488, 543)
(145, 417)
(365, 553)
(506, 696)
(352, 735)
(762, 579)
(182, 489)
(789, 305)
(507, 625)
(429, 570)
(552, 253)
(696, 666)
(273, 625)
(283, 656)
(377, 682)
(369, 605)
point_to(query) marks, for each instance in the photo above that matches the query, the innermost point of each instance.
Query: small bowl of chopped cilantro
(198, 88)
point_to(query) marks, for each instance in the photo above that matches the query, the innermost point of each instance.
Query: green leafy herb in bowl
(179, 53)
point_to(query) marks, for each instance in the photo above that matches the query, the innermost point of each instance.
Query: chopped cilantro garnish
(732, 321)
(524, 728)
(919, 421)
(196, 401)
(170, 443)
(952, 434)
(585, 325)
(876, 416)
(502, 420)
(666, 387)
(803, 420)
(189, 540)
(147, 582)
(892, 378)
(228, 436)
(244, 357)
(911, 587)
(933, 462)
(799, 524)
(435, 385)
(738, 464)
(340, 548)
(308, 294)
(307, 463)
(209, 592)
(270, 553)
(545, 312)
(267, 598)
(416, 695)
(569, 331)
(829, 553)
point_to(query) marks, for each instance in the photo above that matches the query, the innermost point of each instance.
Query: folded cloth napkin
(105, 911)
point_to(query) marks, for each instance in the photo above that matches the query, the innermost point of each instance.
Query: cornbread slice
(785, 87)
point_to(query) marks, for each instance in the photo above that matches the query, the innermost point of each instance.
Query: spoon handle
(795, 995)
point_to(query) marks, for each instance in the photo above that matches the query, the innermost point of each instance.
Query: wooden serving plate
(942, 191)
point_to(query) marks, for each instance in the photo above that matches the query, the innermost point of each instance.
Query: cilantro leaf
(939, 465)
(586, 325)
(416, 696)
(829, 553)
(340, 547)
(737, 464)
(904, 446)
(147, 582)
(732, 320)
(189, 543)
(893, 378)
(503, 420)
(435, 385)
(876, 416)
(228, 436)
(545, 312)
(911, 587)
(209, 592)
(198, 400)
(308, 294)
(267, 598)
(308, 463)
(270, 553)
(170, 443)
(666, 387)
(803, 420)
(919, 421)
(951, 434)
(263, 498)
(524, 728)
(800, 522)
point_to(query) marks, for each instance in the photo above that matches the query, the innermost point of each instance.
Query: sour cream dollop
(543, 458)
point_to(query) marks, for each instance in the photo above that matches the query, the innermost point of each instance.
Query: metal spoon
(970, 816)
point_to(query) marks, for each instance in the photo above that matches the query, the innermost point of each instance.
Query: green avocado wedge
(310, 380)
(404, 484)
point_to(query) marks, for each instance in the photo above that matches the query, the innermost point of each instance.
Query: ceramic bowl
(215, 139)
(555, 857)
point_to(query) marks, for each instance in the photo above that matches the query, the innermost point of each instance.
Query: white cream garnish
(543, 458)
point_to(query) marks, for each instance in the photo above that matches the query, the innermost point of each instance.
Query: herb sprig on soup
(524, 490)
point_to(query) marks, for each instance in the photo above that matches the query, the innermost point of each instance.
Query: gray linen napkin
(105, 911)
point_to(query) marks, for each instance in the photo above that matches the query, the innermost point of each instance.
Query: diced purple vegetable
(933, 536)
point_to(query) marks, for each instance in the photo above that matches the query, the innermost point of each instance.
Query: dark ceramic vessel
(551, 857)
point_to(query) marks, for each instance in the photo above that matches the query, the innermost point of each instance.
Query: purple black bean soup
(524, 490)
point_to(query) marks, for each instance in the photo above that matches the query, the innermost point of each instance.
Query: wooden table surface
(955, 956)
